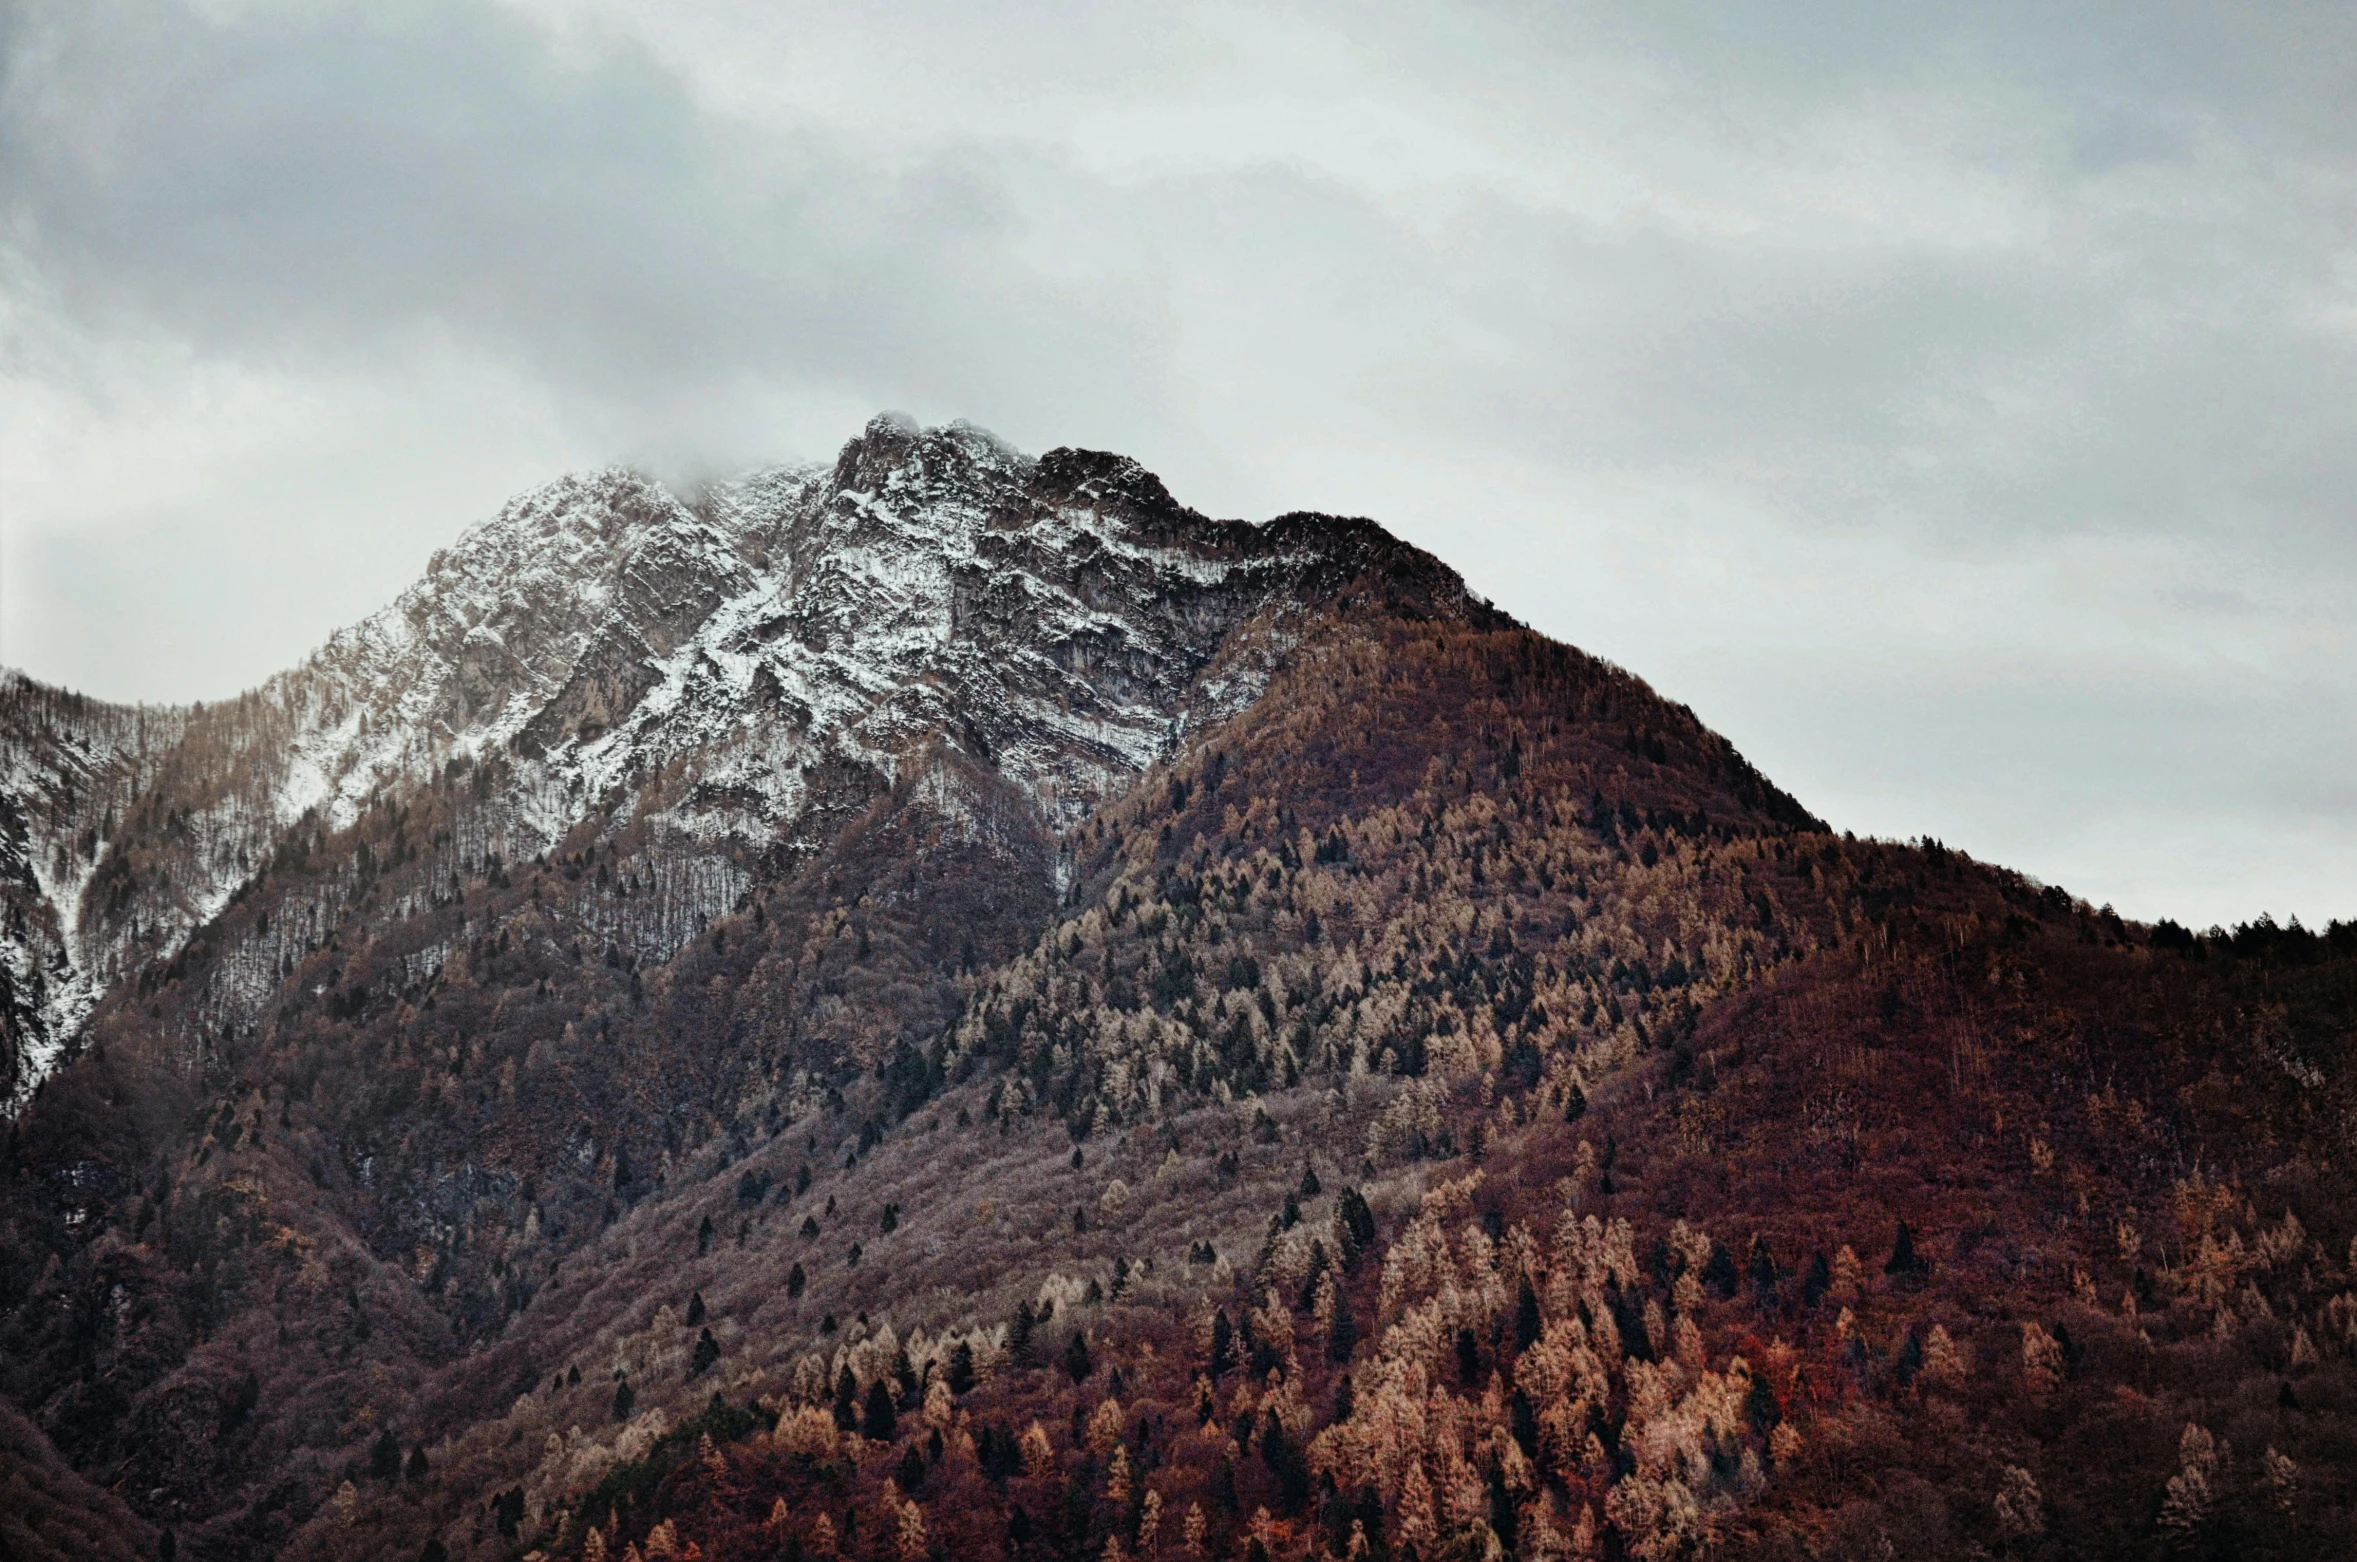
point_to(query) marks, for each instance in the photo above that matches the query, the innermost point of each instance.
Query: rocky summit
(949, 1005)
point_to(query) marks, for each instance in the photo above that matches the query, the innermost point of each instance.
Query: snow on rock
(737, 668)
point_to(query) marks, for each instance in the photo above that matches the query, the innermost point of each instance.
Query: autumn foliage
(1455, 1108)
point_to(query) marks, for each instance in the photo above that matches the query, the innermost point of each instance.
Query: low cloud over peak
(1954, 405)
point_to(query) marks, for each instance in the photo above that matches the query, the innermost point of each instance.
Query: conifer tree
(1943, 1360)
(1817, 1281)
(1149, 1521)
(1848, 1277)
(881, 1423)
(1763, 1273)
(2021, 1510)
(1905, 1264)
(1019, 1334)
(1344, 1337)
(2185, 1507)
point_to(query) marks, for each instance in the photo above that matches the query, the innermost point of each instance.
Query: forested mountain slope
(954, 1007)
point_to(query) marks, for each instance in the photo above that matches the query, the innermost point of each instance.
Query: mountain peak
(894, 449)
(741, 668)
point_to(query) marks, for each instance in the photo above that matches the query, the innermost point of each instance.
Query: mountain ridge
(596, 616)
(966, 1009)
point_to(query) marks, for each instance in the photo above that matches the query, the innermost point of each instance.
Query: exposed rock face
(745, 673)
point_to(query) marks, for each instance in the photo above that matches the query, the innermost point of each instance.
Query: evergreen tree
(241, 1405)
(795, 1281)
(1719, 1274)
(1763, 1270)
(1905, 1263)
(384, 1460)
(1076, 1357)
(881, 1422)
(1287, 1464)
(1358, 1227)
(1817, 1281)
(624, 1398)
(1523, 1422)
(1317, 1271)
(846, 1401)
(695, 1309)
(704, 1237)
(707, 1352)
(1019, 1334)
(417, 1462)
(1527, 1321)
(1503, 1520)
(1345, 1336)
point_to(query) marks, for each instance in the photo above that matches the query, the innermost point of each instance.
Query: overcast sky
(1956, 405)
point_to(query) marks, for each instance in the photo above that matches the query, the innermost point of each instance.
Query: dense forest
(1448, 1105)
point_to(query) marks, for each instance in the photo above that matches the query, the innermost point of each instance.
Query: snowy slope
(738, 668)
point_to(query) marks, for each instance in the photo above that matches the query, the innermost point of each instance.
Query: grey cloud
(1856, 302)
(329, 181)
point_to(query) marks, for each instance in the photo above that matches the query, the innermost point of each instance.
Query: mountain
(951, 1005)
(742, 675)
